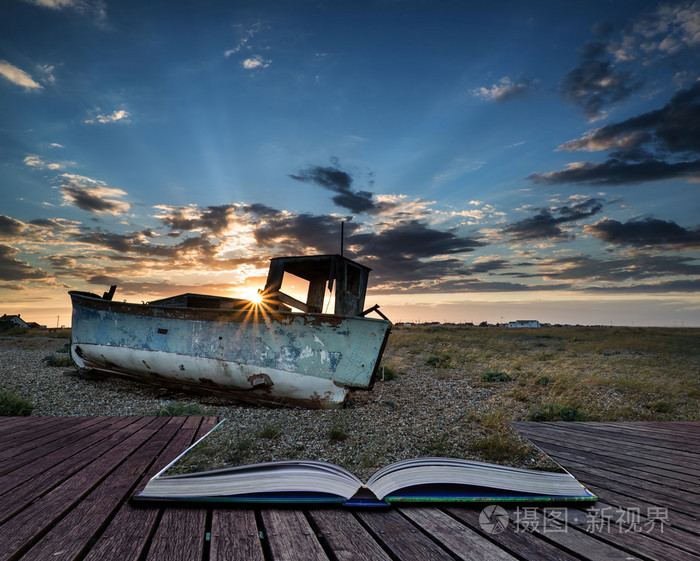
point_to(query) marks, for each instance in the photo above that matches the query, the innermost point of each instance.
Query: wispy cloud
(94, 9)
(32, 160)
(116, 116)
(609, 67)
(506, 89)
(256, 61)
(92, 195)
(247, 35)
(668, 30)
(18, 77)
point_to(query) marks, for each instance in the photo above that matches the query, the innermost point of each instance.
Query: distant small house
(524, 323)
(10, 322)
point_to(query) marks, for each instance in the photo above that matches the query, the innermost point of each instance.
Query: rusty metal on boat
(280, 350)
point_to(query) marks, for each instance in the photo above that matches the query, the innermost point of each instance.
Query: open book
(415, 480)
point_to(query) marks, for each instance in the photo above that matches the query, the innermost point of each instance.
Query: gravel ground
(415, 414)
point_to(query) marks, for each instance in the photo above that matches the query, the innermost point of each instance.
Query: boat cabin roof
(332, 272)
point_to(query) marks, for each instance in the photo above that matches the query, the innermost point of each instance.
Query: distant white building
(523, 323)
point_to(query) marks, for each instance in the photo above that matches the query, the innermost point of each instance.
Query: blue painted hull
(307, 360)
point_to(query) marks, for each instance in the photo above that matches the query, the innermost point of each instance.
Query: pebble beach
(413, 415)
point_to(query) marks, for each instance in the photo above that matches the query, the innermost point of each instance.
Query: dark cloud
(49, 223)
(302, 232)
(198, 248)
(10, 227)
(597, 83)
(93, 196)
(339, 181)
(463, 284)
(412, 238)
(618, 172)
(12, 269)
(691, 285)
(647, 232)
(658, 145)
(261, 210)
(620, 269)
(488, 266)
(547, 223)
(672, 130)
(411, 251)
(215, 219)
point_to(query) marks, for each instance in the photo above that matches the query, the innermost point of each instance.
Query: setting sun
(256, 298)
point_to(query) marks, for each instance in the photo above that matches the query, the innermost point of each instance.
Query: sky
(490, 161)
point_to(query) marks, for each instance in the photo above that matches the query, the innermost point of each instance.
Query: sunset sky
(492, 161)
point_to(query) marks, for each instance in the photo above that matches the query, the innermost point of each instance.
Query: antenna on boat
(342, 235)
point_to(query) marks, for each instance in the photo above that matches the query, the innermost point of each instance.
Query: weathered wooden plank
(677, 499)
(637, 474)
(403, 539)
(635, 451)
(76, 530)
(207, 423)
(290, 537)
(573, 540)
(36, 479)
(669, 497)
(626, 445)
(129, 532)
(672, 435)
(641, 539)
(235, 535)
(595, 456)
(180, 535)
(345, 536)
(15, 450)
(11, 427)
(31, 523)
(454, 536)
(579, 451)
(525, 544)
(625, 500)
(11, 423)
(671, 533)
(60, 461)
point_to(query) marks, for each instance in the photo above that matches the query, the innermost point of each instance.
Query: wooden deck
(65, 485)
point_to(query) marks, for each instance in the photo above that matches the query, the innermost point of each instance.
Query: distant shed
(524, 323)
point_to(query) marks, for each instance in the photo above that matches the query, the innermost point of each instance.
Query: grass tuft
(62, 361)
(271, 431)
(339, 429)
(496, 376)
(179, 409)
(556, 412)
(438, 361)
(14, 406)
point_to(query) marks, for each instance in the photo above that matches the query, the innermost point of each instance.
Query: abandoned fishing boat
(279, 350)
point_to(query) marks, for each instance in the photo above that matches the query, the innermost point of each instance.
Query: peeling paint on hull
(307, 360)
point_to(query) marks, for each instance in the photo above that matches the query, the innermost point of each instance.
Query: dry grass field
(563, 373)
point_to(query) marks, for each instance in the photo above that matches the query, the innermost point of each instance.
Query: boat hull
(256, 355)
